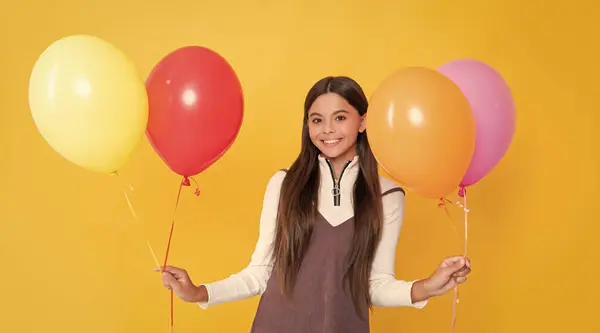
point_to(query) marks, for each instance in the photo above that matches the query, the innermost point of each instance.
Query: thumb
(171, 282)
(453, 267)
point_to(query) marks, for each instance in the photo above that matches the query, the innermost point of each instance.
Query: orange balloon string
(127, 187)
(444, 204)
(184, 182)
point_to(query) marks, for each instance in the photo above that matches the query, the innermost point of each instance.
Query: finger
(158, 269)
(168, 286)
(170, 281)
(461, 279)
(179, 273)
(166, 280)
(468, 263)
(453, 260)
(456, 266)
(449, 286)
(462, 272)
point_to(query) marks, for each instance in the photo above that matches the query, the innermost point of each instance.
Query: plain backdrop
(74, 260)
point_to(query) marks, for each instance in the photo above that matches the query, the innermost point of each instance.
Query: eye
(340, 118)
(316, 120)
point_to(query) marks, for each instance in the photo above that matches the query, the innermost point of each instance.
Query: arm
(252, 280)
(385, 290)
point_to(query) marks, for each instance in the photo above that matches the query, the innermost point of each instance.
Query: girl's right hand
(178, 280)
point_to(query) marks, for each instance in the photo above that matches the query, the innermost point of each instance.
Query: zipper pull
(336, 194)
(336, 191)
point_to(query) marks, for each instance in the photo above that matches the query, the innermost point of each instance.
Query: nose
(328, 129)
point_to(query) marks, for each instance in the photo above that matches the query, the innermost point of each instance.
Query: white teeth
(331, 141)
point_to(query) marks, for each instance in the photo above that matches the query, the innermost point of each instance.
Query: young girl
(328, 232)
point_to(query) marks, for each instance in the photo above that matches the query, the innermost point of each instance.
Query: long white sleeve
(252, 280)
(385, 290)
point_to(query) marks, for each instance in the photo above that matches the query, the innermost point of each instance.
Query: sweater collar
(347, 175)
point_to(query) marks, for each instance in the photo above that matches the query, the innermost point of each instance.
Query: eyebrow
(334, 113)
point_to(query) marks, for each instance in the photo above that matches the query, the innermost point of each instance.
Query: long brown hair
(300, 194)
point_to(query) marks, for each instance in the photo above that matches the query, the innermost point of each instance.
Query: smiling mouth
(331, 142)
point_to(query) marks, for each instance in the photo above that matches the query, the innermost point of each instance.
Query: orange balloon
(422, 131)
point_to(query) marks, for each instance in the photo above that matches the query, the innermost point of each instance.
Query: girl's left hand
(451, 272)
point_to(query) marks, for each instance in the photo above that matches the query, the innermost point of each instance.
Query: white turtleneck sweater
(385, 289)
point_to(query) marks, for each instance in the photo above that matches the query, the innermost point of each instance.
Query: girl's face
(333, 126)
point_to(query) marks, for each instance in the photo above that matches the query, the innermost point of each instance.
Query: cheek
(313, 133)
(350, 129)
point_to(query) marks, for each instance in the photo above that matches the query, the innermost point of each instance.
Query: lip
(331, 142)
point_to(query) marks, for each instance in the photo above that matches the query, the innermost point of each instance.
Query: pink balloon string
(443, 203)
(462, 193)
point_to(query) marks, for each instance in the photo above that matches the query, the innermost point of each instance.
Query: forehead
(330, 103)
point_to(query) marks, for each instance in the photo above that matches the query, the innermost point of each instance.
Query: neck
(340, 162)
(338, 165)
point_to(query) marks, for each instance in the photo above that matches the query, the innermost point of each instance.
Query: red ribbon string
(184, 182)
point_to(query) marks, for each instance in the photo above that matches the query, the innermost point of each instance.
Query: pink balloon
(493, 109)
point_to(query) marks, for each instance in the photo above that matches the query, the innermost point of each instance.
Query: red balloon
(196, 108)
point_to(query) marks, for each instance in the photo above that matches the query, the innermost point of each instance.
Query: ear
(363, 125)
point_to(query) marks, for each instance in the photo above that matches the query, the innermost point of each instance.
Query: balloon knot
(442, 202)
(462, 191)
(186, 182)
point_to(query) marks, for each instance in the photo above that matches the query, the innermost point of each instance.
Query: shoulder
(388, 187)
(273, 189)
(277, 178)
(392, 198)
(274, 185)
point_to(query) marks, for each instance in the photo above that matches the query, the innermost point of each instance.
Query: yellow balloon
(88, 102)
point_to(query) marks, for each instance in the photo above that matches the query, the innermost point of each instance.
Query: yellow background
(73, 259)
